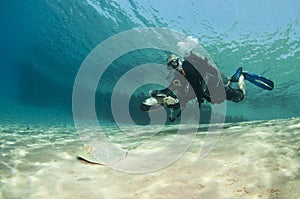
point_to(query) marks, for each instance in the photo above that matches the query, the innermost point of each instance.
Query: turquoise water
(44, 43)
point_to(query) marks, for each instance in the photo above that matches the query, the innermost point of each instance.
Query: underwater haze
(43, 44)
(73, 74)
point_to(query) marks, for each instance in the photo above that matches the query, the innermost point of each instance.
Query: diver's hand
(170, 100)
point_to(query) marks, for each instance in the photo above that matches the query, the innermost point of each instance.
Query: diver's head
(174, 62)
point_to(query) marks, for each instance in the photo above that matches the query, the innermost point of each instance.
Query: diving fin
(235, 77)
(259, 81)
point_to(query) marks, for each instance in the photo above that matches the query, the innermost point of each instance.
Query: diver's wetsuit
(210, 88)
(195, 80)
(234, 95)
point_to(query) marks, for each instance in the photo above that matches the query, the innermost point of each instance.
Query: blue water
(43, 44)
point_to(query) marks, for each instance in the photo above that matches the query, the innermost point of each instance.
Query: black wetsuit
(195, 80)
(207, 83)
(234, 95)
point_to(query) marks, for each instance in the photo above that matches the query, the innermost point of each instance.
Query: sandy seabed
(258, 159)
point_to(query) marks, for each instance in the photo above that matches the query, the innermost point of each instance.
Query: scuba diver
(196, 77)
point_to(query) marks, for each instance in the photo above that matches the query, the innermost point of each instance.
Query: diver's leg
(241, 84)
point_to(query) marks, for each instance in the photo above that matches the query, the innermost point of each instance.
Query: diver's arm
(165, 97)
(161, 93)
